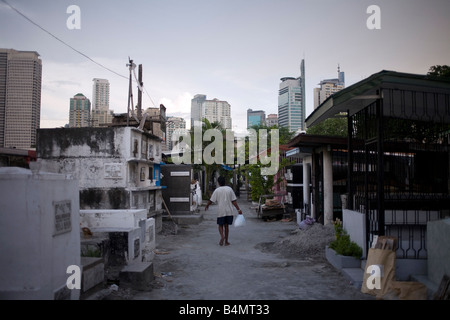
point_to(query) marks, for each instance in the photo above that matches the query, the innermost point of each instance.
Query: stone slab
(93, 272)
(138, 274)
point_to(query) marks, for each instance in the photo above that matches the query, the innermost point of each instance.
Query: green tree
(330, 127)
(209, 169)
(263, 184)
(439, 71)
(284, 134)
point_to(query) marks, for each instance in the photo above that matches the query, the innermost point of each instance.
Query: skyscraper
(196, 108)
(100, 94)
(328, 87)
(174, 125)
(80, 111)
(213, 110)
(100, 103)
(291, 101)
(20, 98)
(255, 118)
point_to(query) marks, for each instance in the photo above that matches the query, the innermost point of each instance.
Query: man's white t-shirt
(223, 196)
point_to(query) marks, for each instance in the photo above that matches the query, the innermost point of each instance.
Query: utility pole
(139, 106)
(131, 66)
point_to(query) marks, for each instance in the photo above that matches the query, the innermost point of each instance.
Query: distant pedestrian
(196, 195)
(225, 198)
(198, 192)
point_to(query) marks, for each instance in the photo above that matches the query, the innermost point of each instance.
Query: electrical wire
(74, 49)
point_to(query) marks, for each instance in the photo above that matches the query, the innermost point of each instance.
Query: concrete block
(339, 261)
(93, 272)
(138, 274)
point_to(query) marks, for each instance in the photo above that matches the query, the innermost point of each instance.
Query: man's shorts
(225, 220)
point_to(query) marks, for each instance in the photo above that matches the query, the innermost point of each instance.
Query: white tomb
(39, 235)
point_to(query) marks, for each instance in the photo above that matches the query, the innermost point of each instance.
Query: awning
(358, 96)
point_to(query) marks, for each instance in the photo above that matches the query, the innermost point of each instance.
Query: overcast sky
(230, 50)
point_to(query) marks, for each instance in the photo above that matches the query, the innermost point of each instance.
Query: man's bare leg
(221, 234)
(226, 235)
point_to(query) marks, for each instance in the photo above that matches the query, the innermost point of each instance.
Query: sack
(406, 290)
(305, 224)
(240, 221)
(379, 272)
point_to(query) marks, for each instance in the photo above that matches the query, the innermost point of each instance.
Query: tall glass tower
(291, 101)
(20, 98)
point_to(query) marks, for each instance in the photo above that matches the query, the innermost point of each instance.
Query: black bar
(380, 165)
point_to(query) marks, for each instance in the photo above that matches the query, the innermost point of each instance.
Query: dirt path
(264, 261)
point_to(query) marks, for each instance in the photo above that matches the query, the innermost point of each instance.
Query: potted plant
(342, 252)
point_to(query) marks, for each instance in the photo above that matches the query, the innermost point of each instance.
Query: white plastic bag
(240, 221)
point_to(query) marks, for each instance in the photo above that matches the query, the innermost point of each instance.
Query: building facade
(213, 110)
(80, 111)
(255, 118)
(196, 108)
(291, 101)
(328, 87)
(101, 114)
(20, 98)
(174, 124)
(272, 120)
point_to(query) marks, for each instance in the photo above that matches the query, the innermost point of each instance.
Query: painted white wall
(354, 223)
(35, 256)
(112, 218)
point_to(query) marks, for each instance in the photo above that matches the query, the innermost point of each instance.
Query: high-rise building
(100, 94)
(272, 120)
(80, 111)
(213, 110)
(174, 125)
(100, 114)
(196, 108)
(291, 101)
(255, 118)
(20, 98)
(328, 87)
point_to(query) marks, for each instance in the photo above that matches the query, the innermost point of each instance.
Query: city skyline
(245, 48)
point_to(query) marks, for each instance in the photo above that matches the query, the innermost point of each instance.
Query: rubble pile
(308, 242)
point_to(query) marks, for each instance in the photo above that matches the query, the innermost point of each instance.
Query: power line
(68, 45)
(62, 41)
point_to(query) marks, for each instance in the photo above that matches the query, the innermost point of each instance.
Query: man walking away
(225, 198)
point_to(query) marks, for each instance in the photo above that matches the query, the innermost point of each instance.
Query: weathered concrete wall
(117, 167)
(112, 198)
(438, 246)
(39, 234)
(93, 156)
(76, 142)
